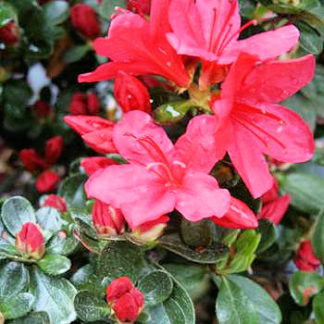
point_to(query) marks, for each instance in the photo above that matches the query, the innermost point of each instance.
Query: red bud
(9, 34)
(139, 6)
(30, 241)
(53, 149)
(305, 258)
(31, 160)
(78, 105)
(47, 181)
(56, 202)
(85, 20)
(41, 109)
(107, 220)
(93, 103)
(131, 94)
(92, 164)
(117, 288)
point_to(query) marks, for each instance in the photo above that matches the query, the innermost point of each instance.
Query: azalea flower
(209, 29)
(247, 122)
(160, 176)
(137, 46)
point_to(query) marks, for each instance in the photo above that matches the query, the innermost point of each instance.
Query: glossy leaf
(54, 264)
(318, 237)
(17, 306)
(33, 318)
(56, 11)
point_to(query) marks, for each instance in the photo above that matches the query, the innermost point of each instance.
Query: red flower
(85, 20)
(53, 149)
(107, 220)
(140, 6)
(31, 160)
(274, 207)
(56, 202)
(126, 301)
(95, 131)
(41, 109)
(9, 34)
(30, 241)
(78, 105)
(239, 215)
(47, 181)
(139, 47)
(131, 94)
(305, 258)
(92, 164)
(93, 103)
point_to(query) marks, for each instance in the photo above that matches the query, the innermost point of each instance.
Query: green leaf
(265, 306)
(233, 306)
(318, 308)
(196, 234)
(56, 11)
(89, 307)
(318, 237)
(120, 258)
(62, 243)
(209, 255)
(33, 318)
(14, 278)
(303, 285)
(7, 14)
(268, 234)
(172, 112)
(306, 190)
(16, 306)
(54, 264)
(310, 40)
(15, 212)
(72, 190)
(54, 296)
(107, 7)
(49, 219)
(76, 53)
(156, 286)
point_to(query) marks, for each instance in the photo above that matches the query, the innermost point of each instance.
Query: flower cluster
(240, 83)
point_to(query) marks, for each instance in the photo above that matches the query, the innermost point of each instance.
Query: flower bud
(92, 164)
(150, 231)
(41, 109)
(78, 105)
(305, 258)
(47, 181)
(53, 149)
(239, 215)
(9, 34)
(131, 94)
(30, 241)
(139, 6)
(107, 220)
(93, 107)
(56, 202)
(126, 301)
(31, 160)
(85, 20)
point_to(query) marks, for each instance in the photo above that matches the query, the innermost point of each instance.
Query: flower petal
(200, 197)
(131, 132)
(100, 141)
(136, 191)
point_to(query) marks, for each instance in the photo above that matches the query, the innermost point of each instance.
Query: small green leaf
(15, 212)
(56, 12)
(107, 7)
(49, 219)
(62, 243)
(33, 318)
(196, 234)
(318, 308)
(172, 112)
(303, 285)
(54, 296)
(54, 264)
(310, 40)
(268, 234)
(16, 306)
(233, 306)
(89, 307)
(7, 14)
(76, 53)
(14, 278)
(318, 237)
(157, 287)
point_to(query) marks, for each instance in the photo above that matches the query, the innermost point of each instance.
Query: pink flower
(139, 47)
(53, 149)
(47, 181)
(126, 300)
(56, 202)
(131, 94)
(30, 241)
(92, 164)
(305, 258)
(107, 220)
(95, 131)
(247, 122)
(274, 207)
(160, 176)
(209, 29)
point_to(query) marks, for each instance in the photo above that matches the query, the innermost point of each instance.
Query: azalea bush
(161, 161)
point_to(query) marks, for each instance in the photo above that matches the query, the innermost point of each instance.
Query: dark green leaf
(310, 40)
(318, 237)
(76, 53)
(33, 318)
(268, 234)
(54, 264)
(16, 306)
(62, 243)
(56, 11)
(318, 308)
(107, 7)
(89, 307)
(196, 234)
(15, 212)
(157, 287)
(54, 296)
